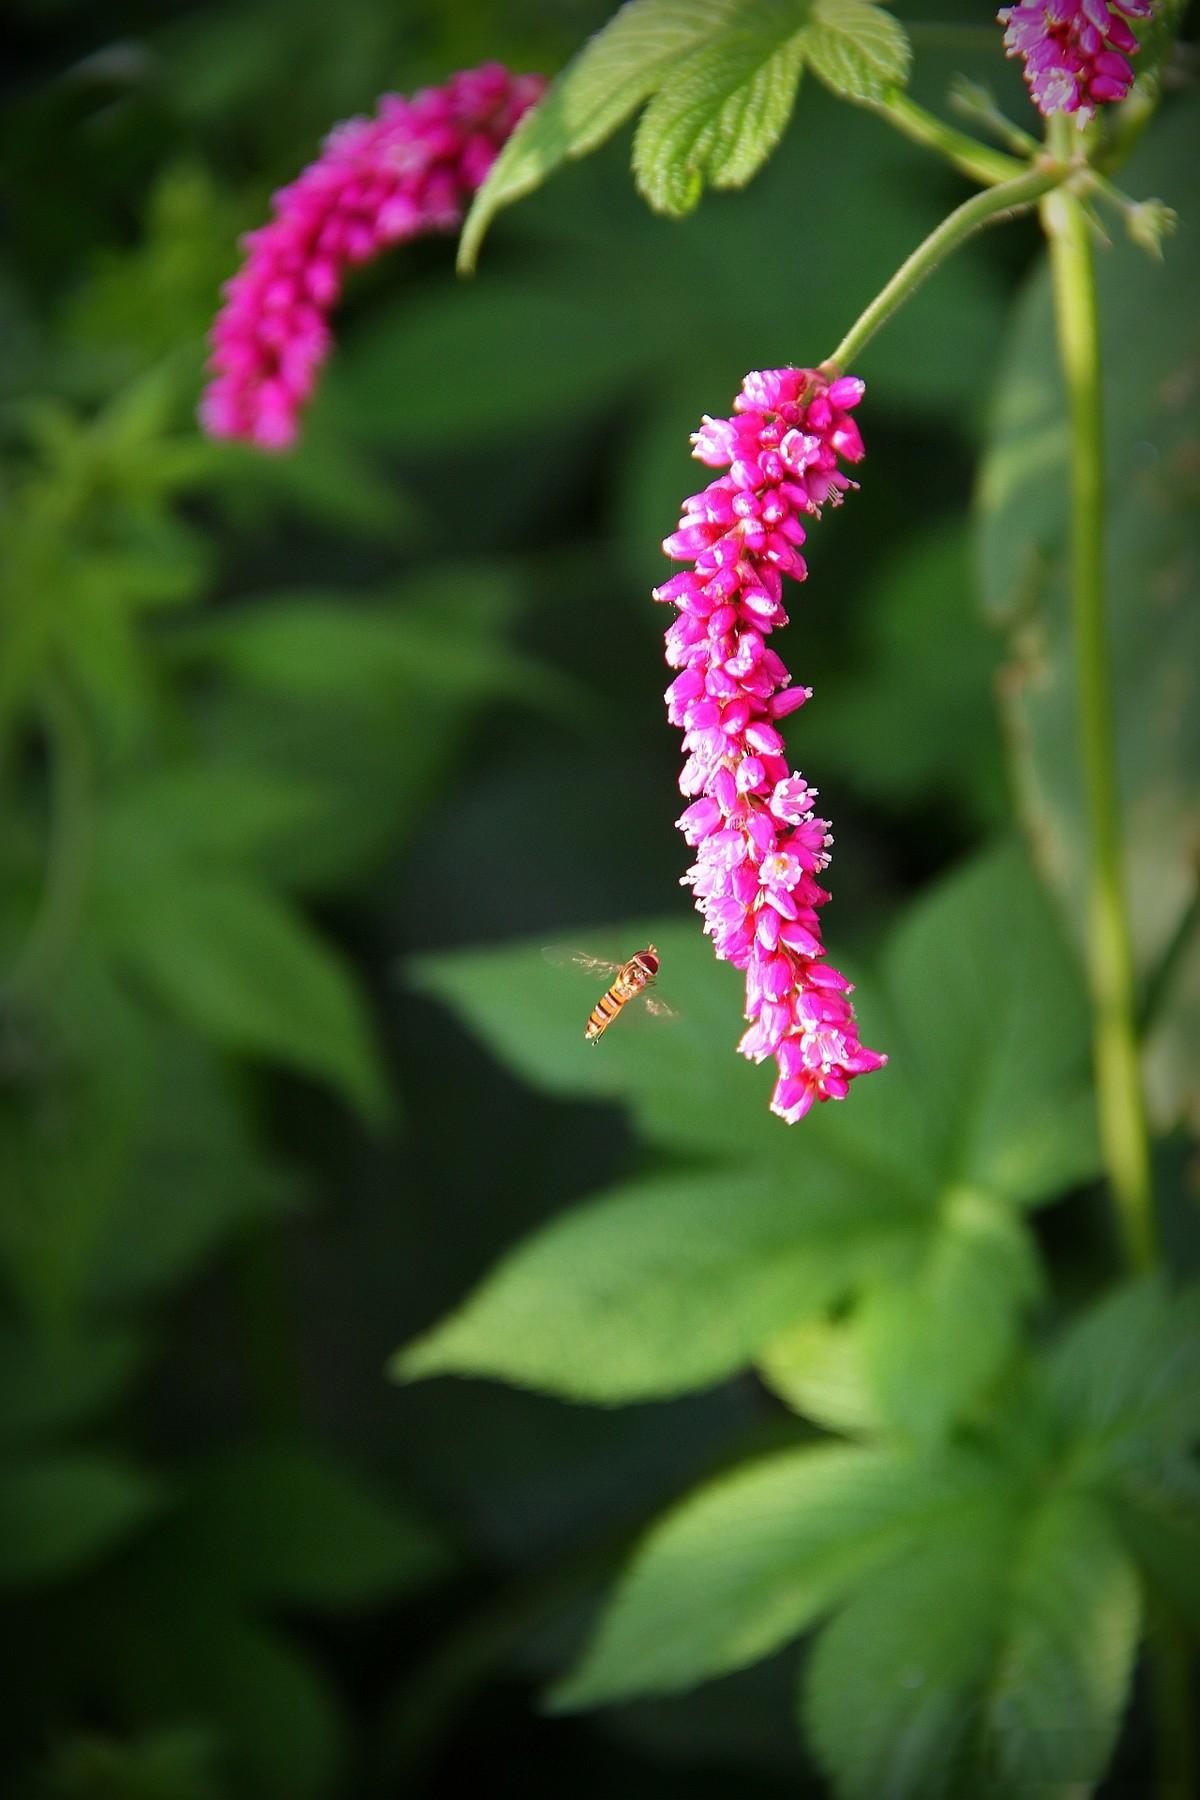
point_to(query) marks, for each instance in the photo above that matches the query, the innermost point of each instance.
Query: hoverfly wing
(659, 1008)
(561, 956)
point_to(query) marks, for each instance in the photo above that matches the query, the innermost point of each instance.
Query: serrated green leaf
(886, 1691)
(994, 1658)
(59, 1513)
(665, 1284)
(1125, 1379)
(933, 1342)
(610, 77)
(716, 119)
(245, 969)
(749, 1560)
(1059, 1683)
(976, 1113)
(283, 1524)
(857, 48)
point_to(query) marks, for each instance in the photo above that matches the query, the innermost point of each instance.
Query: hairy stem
(1121, 1102)
(1003, 201)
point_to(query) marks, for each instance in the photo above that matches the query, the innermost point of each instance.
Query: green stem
(1122, 1108)
(1009, 198)
(68, 850)
(978, 160)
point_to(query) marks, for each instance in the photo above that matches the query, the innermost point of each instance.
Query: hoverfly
(626, 982)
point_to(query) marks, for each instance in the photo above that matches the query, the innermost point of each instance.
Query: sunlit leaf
(718, 116)
(817, 1367)
(1125, 1379)
(752, 1558)
(666, 1284)
(983, 1107)
(994, 1657)
(856, 47)
(610, 77)
(933, 1342)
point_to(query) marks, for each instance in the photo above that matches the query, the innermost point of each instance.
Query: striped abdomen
(627, 984)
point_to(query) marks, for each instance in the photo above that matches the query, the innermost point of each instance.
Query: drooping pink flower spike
(1076, 51)
(377, 182)
(758, 840)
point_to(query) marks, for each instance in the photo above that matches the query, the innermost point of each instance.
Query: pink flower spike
(1074, 51)
(759, 844)
(377, 182)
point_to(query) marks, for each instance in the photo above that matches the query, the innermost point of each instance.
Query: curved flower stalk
(377, 182)
(1076, 51)
(759, 842)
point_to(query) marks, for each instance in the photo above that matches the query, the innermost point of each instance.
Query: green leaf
(181, 1177)
(317, 646)
(905, 1190)
(996, 1033)
(205, 811)
(1153, 542)
(355, 699)
(243, 967)
(994, 1658)
(59, 1513)
(285, 1525)
(886, 1700)
(171, 1763)
(934, 1342)
(817, 1367)
(1059, 1683)
(716, 119)
(857, 48)
(48, 1381)
(919, 613)
(1171, 1054)
(270, 1706)
(613, 73)
(752, 1558)
(1125, 1379)
(1158, 1515)
(663, 1285)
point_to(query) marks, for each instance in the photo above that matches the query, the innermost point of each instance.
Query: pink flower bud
(378, 181)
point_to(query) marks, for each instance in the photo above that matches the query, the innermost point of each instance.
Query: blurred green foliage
(303, 759)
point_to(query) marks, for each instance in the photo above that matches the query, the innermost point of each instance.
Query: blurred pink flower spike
(1076, 51)
(759, 843)
(377, 182)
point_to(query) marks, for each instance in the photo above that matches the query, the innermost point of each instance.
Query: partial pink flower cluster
(759, 843)
(1076, 51)
(377, 182)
